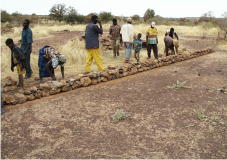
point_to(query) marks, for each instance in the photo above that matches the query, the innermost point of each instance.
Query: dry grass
(76, 52)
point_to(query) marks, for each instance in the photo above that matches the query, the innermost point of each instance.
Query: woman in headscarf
(173, 35)
(50, 58)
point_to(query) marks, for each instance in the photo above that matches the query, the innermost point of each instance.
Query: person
(169, 44)
(92, 43)
(114, 32)
(17, 59)
(152, 41)
(174, 35)
(49, 59)
(26, 46)
(127, 37)
(137, 44)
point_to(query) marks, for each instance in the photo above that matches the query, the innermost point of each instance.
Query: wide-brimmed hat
(175, 42)
(153, 24)
(129, 20)
(62, 58)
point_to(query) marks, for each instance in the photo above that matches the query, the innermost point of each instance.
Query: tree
(34, 18)
(72, 17)
(135, 17)
(17, 17)
(222, 23)
(5, 17)
(148, 14)
(105, 16)
(207, 17)
(57, 12)
(88, 17)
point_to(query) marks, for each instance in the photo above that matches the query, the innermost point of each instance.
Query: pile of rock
(6, 30)
(84, 80)
(106, 43)
(9, 85)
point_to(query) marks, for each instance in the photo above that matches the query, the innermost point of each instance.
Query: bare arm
(48, 66)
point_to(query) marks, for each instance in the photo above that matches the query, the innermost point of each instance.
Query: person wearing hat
(127, 38)
(174, 35)
(50, 58)
(169, 44)
(114, 32)
(152, 41)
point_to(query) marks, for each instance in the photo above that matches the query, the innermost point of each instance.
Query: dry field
(163, 122)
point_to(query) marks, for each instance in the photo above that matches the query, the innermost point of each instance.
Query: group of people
(50, 58)
(124, 35)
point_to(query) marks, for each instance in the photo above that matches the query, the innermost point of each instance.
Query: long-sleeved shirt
(92, 36)
(127, 33)
(26, 38)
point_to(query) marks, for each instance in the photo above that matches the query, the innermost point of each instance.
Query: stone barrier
(83, 80)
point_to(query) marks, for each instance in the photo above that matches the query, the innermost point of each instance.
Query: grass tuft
(120, 115)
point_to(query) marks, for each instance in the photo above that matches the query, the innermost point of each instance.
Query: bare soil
(162, 122)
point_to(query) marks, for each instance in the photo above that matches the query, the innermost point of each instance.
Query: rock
(71, 81)
(37, 78)
(9, 99)
(63, 82)
(64, 88)
(111, 67)
(104, 79)
(79, 76)
(9, 78)
(52, 92)
(20, 98)
(14, 83)
(140, 70)
(104, 74)
(56, 84)
(69, 88)
(45, 86)
(33, 89)
(94, 81)
(85, 81)
(125, 74)
(8, 82)
(9, 88)
(27, 92)
(38, 94)
(138, 66)
(30, 97)
(76, 84)
(45, 93)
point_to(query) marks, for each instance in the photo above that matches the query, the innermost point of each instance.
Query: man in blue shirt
(92, 44)
(26, 46)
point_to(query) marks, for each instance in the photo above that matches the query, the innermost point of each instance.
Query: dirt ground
(162, 121)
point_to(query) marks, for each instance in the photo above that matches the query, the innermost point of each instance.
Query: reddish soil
(162, 123)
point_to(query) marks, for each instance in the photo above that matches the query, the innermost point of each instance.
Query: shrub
(120, 115)
(5, 17)
(105, 16)
(136, 17)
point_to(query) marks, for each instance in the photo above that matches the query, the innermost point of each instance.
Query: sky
(164, 8)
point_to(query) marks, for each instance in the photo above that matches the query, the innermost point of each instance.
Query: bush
(105, 16)
(136, 17)
(88, 17)
(120, 115)
(5, 17)
(148, 14)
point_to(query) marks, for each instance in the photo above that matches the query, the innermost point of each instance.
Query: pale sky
(164, 8)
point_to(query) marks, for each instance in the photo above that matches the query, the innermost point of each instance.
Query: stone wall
(84, 80)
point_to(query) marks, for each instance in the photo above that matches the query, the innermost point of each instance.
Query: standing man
(92, 44)
(26, 46)
(152, 41)
(114, 32)
(127, 37)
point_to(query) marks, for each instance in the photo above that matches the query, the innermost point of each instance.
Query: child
(137, 43)
(17, 59)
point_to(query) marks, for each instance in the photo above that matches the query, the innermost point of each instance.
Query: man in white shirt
(127, 37)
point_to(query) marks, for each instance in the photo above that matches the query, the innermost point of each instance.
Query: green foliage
(210, 131)
(201, 115)
(150, 13)
(135, 17)
(88, 17)
(9, 25)
(5, 17)
(120, 115)
(105, 16)
(178, 85)
(57, 12)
